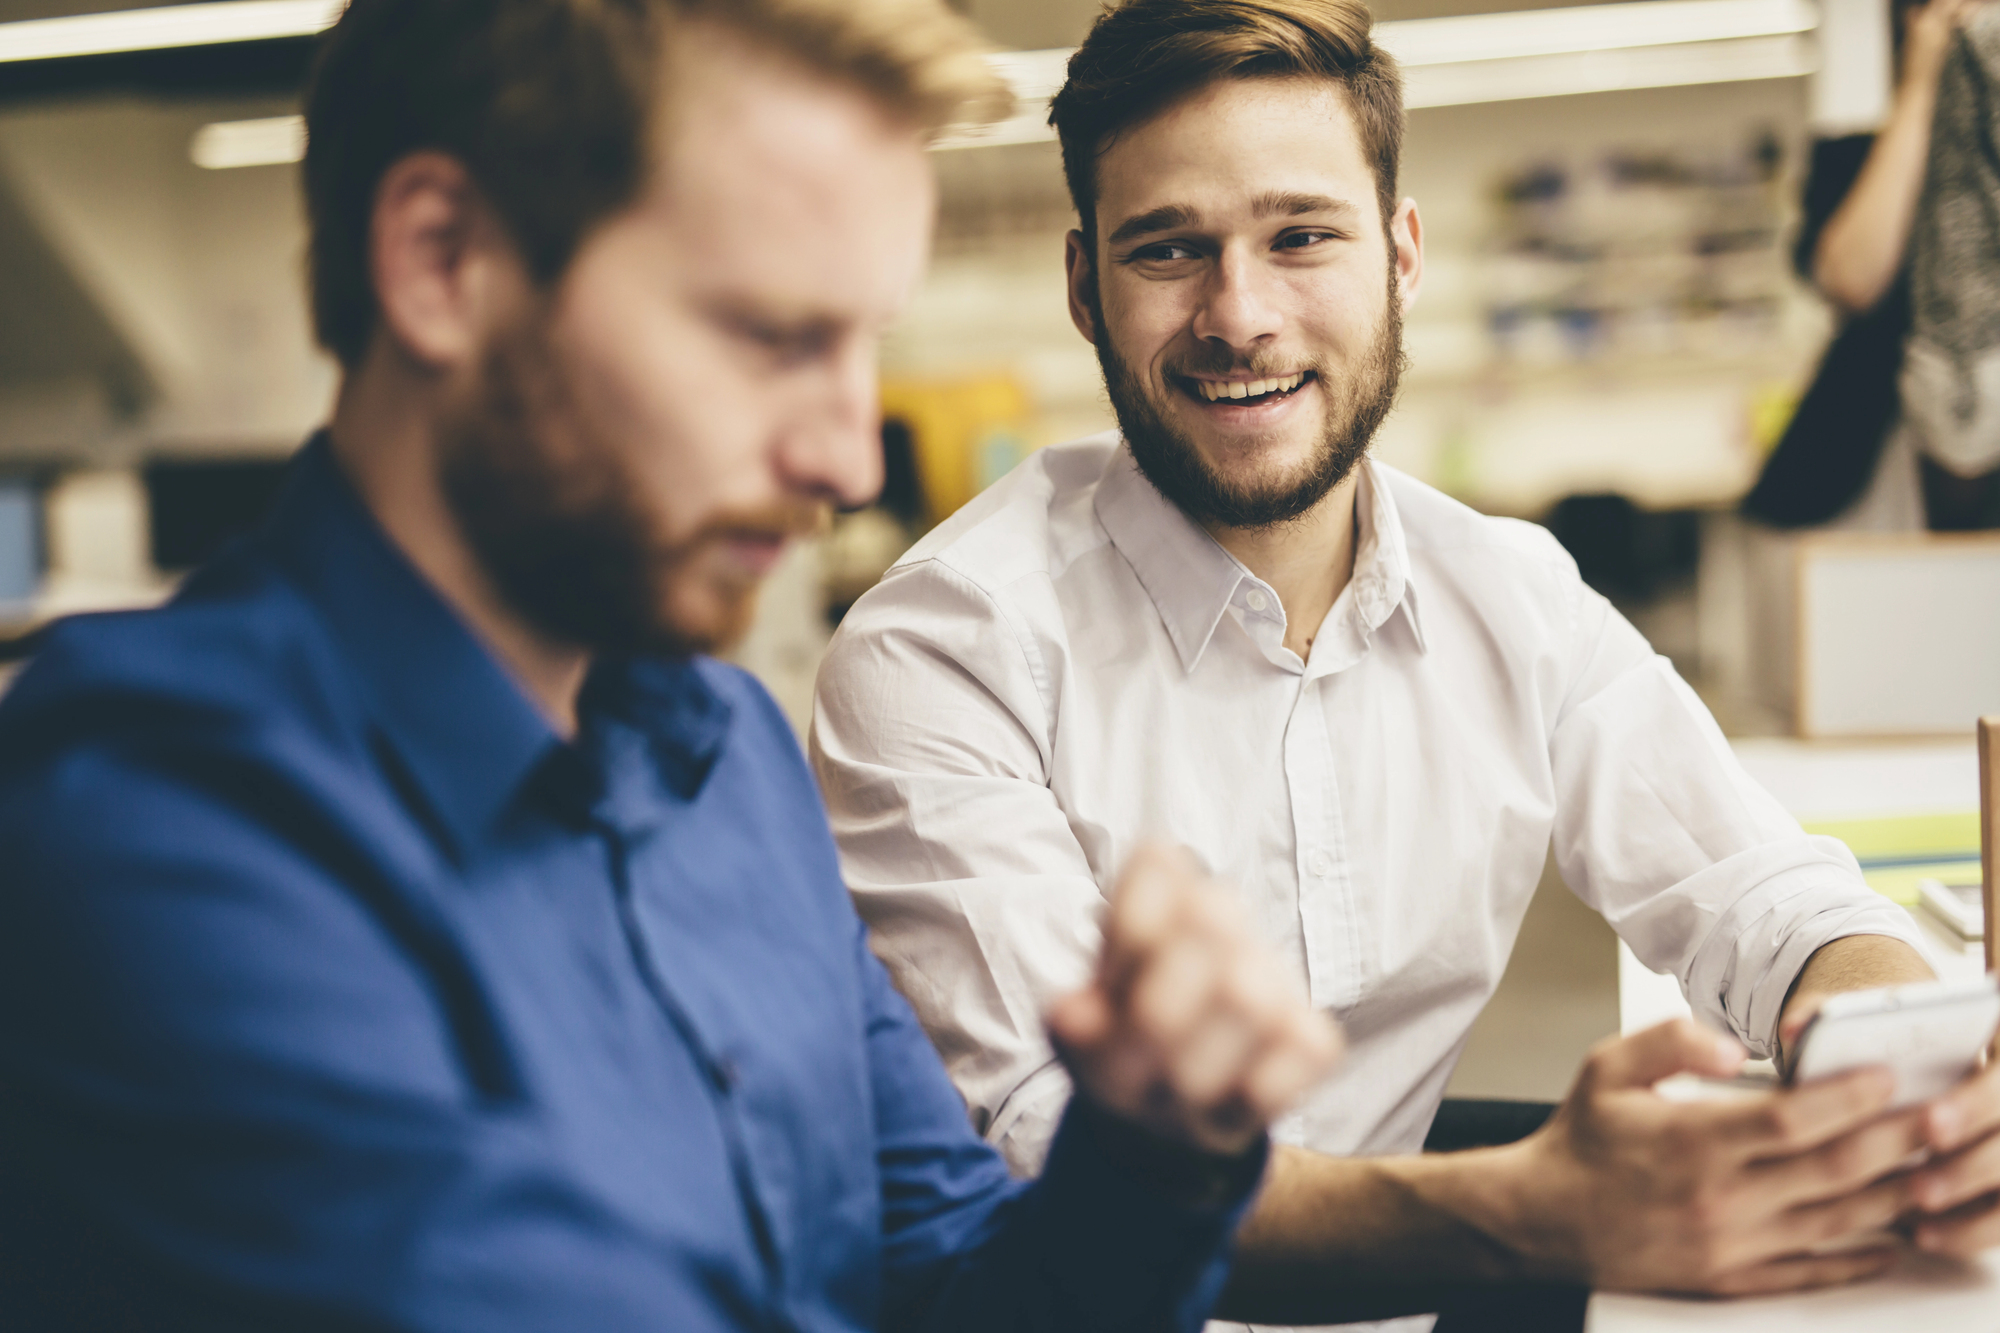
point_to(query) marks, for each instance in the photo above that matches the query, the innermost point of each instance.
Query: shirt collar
(1193, 580)
(463, 728)
(465, 731)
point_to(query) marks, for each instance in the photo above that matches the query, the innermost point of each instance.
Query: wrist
(1183, 1175)
(1510, 1197)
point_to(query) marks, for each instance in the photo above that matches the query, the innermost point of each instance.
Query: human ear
(441, 263)
(1083, 303)
(1406, 234)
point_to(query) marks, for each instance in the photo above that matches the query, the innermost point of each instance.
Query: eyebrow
(1164, 217)
(1275, 203)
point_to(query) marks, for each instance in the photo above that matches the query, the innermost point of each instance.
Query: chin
(1259, 462)
(710, 620)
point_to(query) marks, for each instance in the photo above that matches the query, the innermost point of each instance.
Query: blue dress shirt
(337, 991)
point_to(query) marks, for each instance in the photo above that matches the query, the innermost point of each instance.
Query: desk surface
(1921, 1293)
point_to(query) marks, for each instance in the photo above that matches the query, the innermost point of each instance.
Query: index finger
(1794, 1120)
(1144, 906)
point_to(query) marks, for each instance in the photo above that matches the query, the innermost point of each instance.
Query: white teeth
(1214, 392)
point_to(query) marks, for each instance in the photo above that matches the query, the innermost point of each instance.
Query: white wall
(203, 271)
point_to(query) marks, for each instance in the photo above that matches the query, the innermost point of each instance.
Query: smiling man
(1372, 709)
(408, 927)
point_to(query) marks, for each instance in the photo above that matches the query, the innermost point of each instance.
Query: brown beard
(559, 520)
(1170, 460)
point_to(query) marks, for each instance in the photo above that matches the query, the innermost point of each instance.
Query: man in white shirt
(1367, 706)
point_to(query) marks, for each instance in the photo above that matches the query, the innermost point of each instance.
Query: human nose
(834, 447)
(1236, 306)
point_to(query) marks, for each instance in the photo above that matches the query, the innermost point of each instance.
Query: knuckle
(1782, 1121)
(1709, 1212)
(1713, 1262)
(1851, 1159)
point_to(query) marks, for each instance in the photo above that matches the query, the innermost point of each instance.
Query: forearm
(1332, 1239)
(1862, 248)
(1854, 962)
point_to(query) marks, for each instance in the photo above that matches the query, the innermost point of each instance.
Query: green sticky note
(1896, 851)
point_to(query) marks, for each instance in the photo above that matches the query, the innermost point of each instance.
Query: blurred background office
(1610, 340)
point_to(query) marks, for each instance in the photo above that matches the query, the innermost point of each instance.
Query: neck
(1307, 561)
(384, 434)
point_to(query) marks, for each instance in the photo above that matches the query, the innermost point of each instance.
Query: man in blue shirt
(408, 928)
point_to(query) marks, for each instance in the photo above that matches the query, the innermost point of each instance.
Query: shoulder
(228, 699)
(1510, 578)
(1458, 540)
(1032, 522)
(972, 606)
(239, 650)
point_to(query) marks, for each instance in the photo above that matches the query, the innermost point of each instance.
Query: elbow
(1851, 290)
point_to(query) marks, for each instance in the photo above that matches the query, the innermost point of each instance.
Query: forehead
(1232, 142)
(764, 166)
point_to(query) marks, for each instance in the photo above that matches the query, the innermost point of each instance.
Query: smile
(1248, 392)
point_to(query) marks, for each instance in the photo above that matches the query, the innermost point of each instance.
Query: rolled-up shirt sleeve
(930, 742)
(1695, 866)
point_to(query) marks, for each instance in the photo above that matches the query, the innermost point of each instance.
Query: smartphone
(1931, 1035)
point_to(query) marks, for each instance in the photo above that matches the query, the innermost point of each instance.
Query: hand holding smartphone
(1931, 1035)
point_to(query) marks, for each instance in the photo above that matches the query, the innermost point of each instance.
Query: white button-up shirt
(1069, 666)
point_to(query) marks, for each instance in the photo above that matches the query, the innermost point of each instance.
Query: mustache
(1224, 361)
(773, 522)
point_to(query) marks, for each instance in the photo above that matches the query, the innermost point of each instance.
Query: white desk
(1821, 781)
(1923, 1294)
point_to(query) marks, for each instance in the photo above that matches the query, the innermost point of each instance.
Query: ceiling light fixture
(166, 26)
(1524, 53)
(1447, 61)
(269, 142)
(1550, 32)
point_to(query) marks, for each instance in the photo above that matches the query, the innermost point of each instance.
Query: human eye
(1162, 252)
(1309, 239)
(786, 343)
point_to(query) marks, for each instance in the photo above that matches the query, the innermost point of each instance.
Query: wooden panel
(1989, 828)
(1897, 635)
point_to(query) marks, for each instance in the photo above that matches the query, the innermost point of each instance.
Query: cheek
(643, 390)
(1143, 320)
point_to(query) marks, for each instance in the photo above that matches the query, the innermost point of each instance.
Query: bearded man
(1370, 708)
(407, 927)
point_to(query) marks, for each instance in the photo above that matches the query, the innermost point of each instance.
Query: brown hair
(1146, 54)
(551, 105)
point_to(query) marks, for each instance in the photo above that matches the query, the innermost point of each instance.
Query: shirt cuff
(1149, 1242)
(1848, 914)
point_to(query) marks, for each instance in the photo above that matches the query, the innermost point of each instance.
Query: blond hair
(914, 56)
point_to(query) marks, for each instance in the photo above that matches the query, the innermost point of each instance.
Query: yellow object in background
(1897, 851)
(1771, 410)
(967, 433)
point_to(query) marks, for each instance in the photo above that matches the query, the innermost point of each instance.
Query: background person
(408, 927)
(1372, 709)
(1872, 446)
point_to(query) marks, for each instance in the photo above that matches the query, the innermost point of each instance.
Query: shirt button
(1320, 863)
(1257, 600)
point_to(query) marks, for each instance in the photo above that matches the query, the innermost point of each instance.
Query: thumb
(1675, 1047)
(1795, 1020)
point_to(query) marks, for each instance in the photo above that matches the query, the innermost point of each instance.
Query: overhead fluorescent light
(167, 26)
(249, 143)
(1609, 71)
(1447, 61)
(1525, 53)
(1548, 32)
